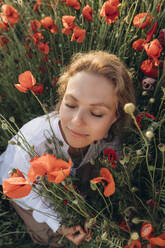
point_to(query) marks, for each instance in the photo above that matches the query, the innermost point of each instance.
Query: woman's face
(88, 109)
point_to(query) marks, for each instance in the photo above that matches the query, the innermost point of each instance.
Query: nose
(78, 118)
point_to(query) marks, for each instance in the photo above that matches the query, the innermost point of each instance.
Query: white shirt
(36, 132)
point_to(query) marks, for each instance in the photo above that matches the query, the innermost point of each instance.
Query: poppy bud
(161, 147)
(129, 108)
(149, 134)
(134, 236)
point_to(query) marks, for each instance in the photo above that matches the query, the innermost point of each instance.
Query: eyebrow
(92, 104)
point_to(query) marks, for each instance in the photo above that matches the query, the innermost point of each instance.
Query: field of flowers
(40, 36)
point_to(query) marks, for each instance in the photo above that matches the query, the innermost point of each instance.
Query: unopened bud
(129, 108)
(152, 100)
(136, 221)
(149, 134)
(12, 119)
(134, 236)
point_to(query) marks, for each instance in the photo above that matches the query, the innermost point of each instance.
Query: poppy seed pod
(148, 83)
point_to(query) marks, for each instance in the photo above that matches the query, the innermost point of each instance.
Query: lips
(76, 134)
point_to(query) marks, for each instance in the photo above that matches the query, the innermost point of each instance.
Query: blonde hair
(108, 66)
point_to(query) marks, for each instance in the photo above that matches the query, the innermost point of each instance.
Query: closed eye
(72, 107)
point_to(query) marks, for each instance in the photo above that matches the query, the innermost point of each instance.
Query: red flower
(68, 23)
(36, 37)
(149, 69)
(78, 34)
(49, 24)
(110, 11)
(9, 15)
(26, 80)
(106, 176)
(3, 27)
(65, 202)
(55, 169)
(35, 25)
(3, 41)
(123, 225)
(151, 32)
(134, 244)
(141, 115)
(16, 186)
(36, 6)
(43, 47)
(138, 44)
(142, 20)
(112, 156)
(38, 89)
(162, 37)
(153, 50)
(87, 13)
(73, 3)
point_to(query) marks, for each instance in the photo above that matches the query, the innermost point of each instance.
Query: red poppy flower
(87, 13)
(153, 50)
(149, 69)
(36, 37)
(49, 24)
(73, 3)
(35, 25)
(112, 156)
(142, 20)
(78, 34)
(146, 230)
(141, 115)
(37, 5)
(162, 37)
(38, 89)
(134, 244)
(3, 27)
(110, 11)
(68, 23)
(55, 169)
(16, 186)
(106, 177)
(123, 225)
(43, 47)
(9, 15)
(151, 32)
(26, 80)
(3, 41)
(138, 44)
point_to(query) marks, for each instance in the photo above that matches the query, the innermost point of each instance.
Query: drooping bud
(129, 108)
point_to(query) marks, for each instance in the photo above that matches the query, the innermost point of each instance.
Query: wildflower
(106, 177)
(9, 14)
(78, 34)
(112, 156)
(73, 3)
(149, 69)
(153, 50)
(35, 25)
(110, 11)
(151, 32)
(68, 23)
(37, 5)
(49, 24)
(16, 186)
(38, 89)
(65, 202)
(134, 244)
(36, 37)
(141, 115)
(87, 13)
(138, 44)
(162, 37)
(3, 41)
(43, 47)
(123, 225)
(142, 20)
(3, 27)
(55, 169)
(26, 80)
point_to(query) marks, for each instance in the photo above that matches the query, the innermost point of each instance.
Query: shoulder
(34, 130)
